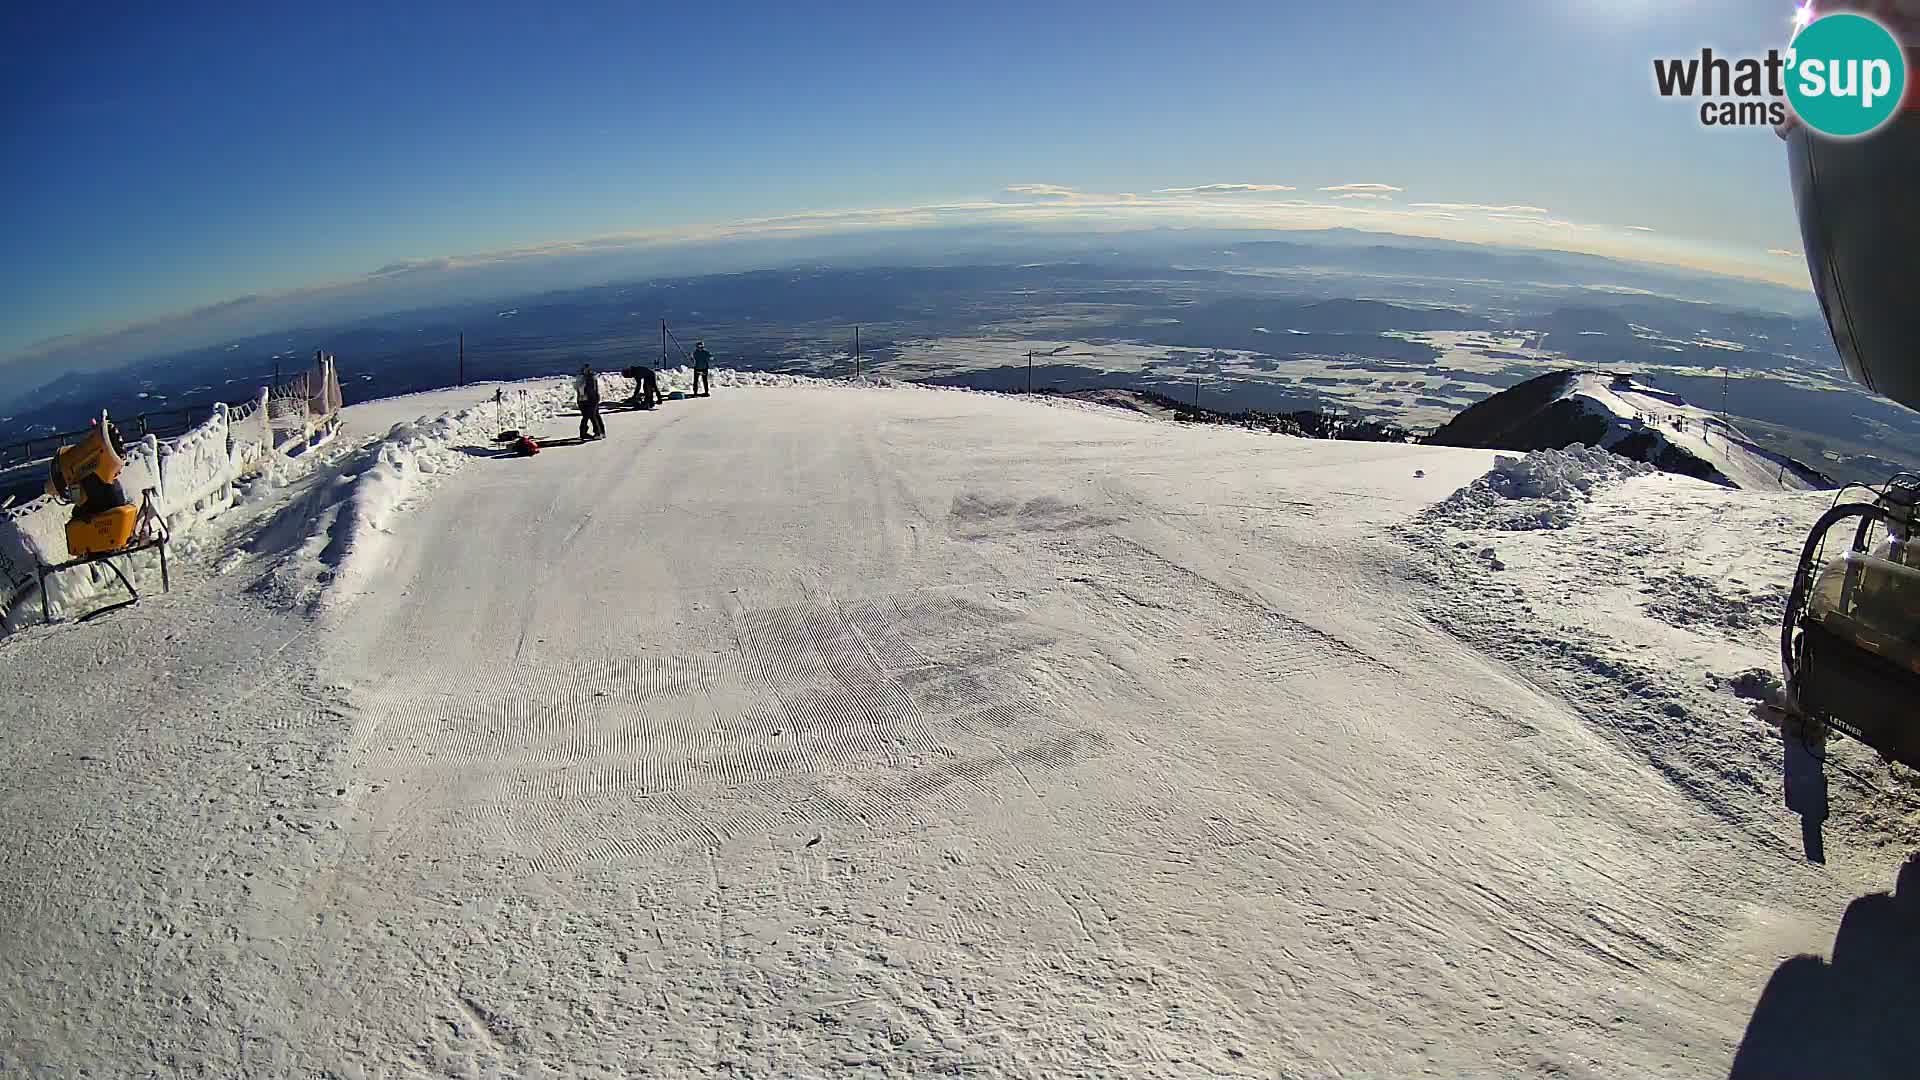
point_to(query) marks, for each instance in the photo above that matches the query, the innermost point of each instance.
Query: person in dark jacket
(586, 391)
(702, 361)
(646, 387)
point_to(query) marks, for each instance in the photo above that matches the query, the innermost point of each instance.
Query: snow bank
(405, 460)
(1540, 491)
(325, 544)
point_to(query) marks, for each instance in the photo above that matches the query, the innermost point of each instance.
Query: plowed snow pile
(1539, 491)
(828, 730)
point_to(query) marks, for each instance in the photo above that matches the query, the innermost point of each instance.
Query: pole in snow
(663, 344)
(856, 351)
(463, 359)
(1029, 371)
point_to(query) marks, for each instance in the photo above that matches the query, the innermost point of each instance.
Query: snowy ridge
(1616, 413)
(1653, 425)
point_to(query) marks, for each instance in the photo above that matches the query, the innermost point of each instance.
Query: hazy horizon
(906, 240)
(174, 167)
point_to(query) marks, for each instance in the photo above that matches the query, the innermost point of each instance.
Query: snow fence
(249, 433)
(305, 411)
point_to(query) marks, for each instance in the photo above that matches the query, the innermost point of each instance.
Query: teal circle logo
(1846, 75)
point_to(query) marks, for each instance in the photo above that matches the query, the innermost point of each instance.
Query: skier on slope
(586, 391)
(702, 360)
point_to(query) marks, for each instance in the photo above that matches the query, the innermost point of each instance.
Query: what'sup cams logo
(1842, 74)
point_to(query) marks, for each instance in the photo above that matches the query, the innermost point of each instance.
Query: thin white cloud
(1375, 188)
(1482, 208)
(1363, 195)
(1043, 191)
(1638, 228)
(1061, 195)
(1223, 189)
(1543, 222)
(1786, 253)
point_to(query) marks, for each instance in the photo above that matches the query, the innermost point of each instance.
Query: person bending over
(646, 387)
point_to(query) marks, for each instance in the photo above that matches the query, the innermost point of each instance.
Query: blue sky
(160, 160)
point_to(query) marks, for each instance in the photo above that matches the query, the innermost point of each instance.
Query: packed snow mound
(403, 463)
(1561, 475)
(1542, 490)
(324, 543)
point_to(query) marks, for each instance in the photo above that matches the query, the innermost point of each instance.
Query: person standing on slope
(702, 361)
(586, 391)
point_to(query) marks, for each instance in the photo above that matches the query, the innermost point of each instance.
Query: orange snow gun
(87, 475)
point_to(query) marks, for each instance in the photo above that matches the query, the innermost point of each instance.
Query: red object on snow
(526, 446)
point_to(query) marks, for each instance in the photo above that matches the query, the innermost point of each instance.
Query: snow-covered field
(818, 730)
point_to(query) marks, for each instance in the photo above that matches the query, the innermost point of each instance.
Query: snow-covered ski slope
(817, 730)
(1645, 411)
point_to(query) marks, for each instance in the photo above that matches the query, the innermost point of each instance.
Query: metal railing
(160, 423)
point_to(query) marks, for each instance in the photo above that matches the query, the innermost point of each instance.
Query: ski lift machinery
(1850, 635)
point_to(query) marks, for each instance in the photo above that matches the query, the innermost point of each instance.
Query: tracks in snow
(824, 713)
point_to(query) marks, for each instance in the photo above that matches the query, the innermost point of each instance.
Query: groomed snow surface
(829, 730)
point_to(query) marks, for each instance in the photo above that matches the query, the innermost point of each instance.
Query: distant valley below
(1410, 332)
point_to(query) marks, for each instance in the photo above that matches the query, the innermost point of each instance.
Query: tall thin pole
(856, 350)
(663, 344)
(463, 359)
(1196, 391)
(1029, 371)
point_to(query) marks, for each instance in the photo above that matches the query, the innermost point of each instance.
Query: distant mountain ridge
(1634, 420)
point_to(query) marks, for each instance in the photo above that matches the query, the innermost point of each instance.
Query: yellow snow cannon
(87, 474)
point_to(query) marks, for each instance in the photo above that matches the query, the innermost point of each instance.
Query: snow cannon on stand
(87, 475)
(105, 523)
(1850, 636)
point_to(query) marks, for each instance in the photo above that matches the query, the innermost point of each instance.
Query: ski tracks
(823, 713)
